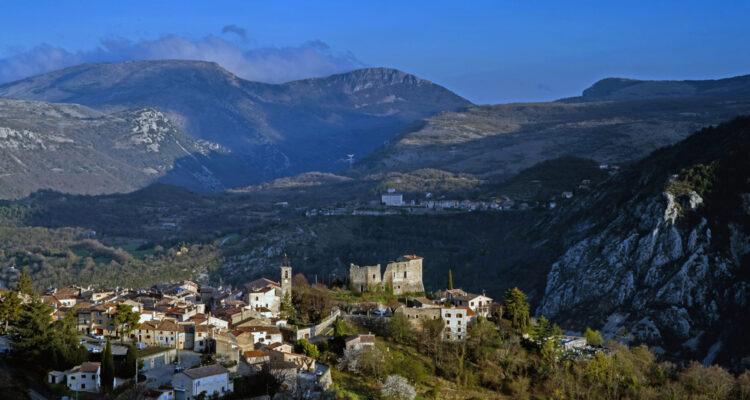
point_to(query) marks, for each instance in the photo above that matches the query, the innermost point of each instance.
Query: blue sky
(487, 51)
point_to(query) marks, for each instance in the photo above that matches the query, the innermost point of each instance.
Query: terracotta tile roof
(411, 257)
(469, 311)
(86, 367)
(255, 353)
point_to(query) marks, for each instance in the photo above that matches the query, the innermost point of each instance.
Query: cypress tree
(131, 357)
(108, 369)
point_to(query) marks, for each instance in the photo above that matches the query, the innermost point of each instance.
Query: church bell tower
(286, 277)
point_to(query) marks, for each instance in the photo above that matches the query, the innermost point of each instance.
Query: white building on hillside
(457, 322)
(392, 198)
(209, 379)
(84, 377)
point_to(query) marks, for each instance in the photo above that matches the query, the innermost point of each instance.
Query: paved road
(163, 375)
(97, 345)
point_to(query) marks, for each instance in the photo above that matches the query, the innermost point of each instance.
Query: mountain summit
(277, 130)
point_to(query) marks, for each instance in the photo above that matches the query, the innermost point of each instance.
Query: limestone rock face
(667, 270)
(667, 274)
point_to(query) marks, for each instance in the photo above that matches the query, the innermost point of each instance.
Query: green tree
(107, 375)
(339, 328)
(544, 330)
(516, 308)
(125, 319)
(33, 334)
(11, 308)
(67, 348)
(25, 285)
(399, 328)
(287, 308)
(593, 338)
(483, 340)
(128, 366)
(302, 346)
(450, 279)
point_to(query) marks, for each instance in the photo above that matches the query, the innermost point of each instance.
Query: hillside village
(380, 335)
(193, 337)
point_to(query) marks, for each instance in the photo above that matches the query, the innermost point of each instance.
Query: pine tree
(67, 348)
(450, 280)
(25, 285)
(108, 369)
(33, 336)
(10, 308)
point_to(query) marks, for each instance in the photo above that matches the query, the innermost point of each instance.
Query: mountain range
(267, 130)
(616, 121)
(222, 132)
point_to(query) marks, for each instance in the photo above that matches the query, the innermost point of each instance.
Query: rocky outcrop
(658, 272)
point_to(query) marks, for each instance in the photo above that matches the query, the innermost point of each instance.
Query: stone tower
(286, 278)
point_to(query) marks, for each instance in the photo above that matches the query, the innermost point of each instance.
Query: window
(373, 276)
(447, 329)
(83, 376)
(404, 274)
(459, 329)
(83, 386)
(447, 315)
(459, 315)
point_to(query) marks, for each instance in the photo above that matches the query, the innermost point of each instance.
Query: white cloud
(263, 64)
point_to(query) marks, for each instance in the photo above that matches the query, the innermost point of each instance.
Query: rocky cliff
(661, 254)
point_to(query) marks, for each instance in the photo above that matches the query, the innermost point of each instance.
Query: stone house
(96, 319)
(248, 336)
(417, 315)
(162, 333)
(358, 342)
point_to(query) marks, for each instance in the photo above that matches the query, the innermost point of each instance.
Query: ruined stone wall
(404, 275)
(364, 278)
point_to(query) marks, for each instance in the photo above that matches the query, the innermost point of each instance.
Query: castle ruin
(403, 275)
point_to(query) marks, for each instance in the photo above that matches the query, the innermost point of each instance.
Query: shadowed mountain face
(498, 141)
(276, 130)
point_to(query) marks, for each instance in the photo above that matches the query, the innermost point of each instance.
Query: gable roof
(255, 353)
(261, 283)
(202, 372)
